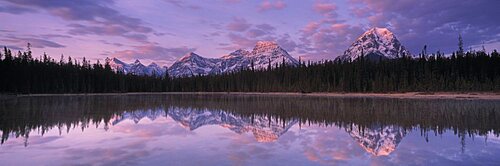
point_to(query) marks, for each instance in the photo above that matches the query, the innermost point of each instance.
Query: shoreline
(405, 95)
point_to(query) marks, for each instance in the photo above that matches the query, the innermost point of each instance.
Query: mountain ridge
(263, 55)
(136, 68)
(375, 44)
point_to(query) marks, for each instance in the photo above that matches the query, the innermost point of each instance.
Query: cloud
(182, 4)
(35, 42)
(51, 36)
(265, 27)
(15, 9)
(327, 37)
(99, 18)
(238, 24)
(324, 8)
(270, 5)
(241, 41)
(260, 31)
(232, 1)
(111, 30)
(256, 33)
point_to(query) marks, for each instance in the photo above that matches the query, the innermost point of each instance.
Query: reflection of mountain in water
(136, 116)
(264, 128)
(384, 121)
(378, 140)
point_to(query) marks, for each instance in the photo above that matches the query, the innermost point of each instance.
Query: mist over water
(247, 130)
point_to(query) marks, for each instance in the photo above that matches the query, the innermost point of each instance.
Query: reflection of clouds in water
(242, 148)
(441, 150)
(107, 156)
(36, 140)
(327, 145)
(138, 138)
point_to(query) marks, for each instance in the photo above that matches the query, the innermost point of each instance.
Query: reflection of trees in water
(465, 118)
(22, 115)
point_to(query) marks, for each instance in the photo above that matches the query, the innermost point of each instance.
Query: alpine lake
(219, 129)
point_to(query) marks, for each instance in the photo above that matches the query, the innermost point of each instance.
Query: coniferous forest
(22, 73)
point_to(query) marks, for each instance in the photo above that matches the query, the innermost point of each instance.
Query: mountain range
(374, 44)
(263, 55)
(136, 68)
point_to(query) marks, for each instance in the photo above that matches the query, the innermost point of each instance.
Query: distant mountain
(192, 64)
(136, 68)
(375, 44)
(264, 53)
(268, 51)
(378, 140)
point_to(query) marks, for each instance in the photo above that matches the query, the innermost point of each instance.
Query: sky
(164, 30)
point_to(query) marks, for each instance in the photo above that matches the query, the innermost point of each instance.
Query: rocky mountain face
(192, 64)
(136, 68)
(375, 44)
(263, 55)
(378, 140)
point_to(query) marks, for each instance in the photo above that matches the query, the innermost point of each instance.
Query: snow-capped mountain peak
(375, 44)
(267, 53)
(265, 45)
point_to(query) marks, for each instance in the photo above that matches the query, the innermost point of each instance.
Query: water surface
(247, 130)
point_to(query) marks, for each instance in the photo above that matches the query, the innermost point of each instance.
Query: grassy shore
(407, 95)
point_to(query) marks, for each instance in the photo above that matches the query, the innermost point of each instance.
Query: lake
(217, 129)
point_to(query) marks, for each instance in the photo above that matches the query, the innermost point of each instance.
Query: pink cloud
(269, 5)
(310, 28)
(324, 8)
(238, 24)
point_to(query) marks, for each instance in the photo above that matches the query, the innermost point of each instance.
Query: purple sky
(164, 30)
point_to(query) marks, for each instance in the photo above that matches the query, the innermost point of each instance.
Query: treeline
(471, 71)
(21, 73)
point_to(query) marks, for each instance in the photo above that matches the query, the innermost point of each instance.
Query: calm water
(247, 130)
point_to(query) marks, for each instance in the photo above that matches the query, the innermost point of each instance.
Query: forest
(472, 71)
